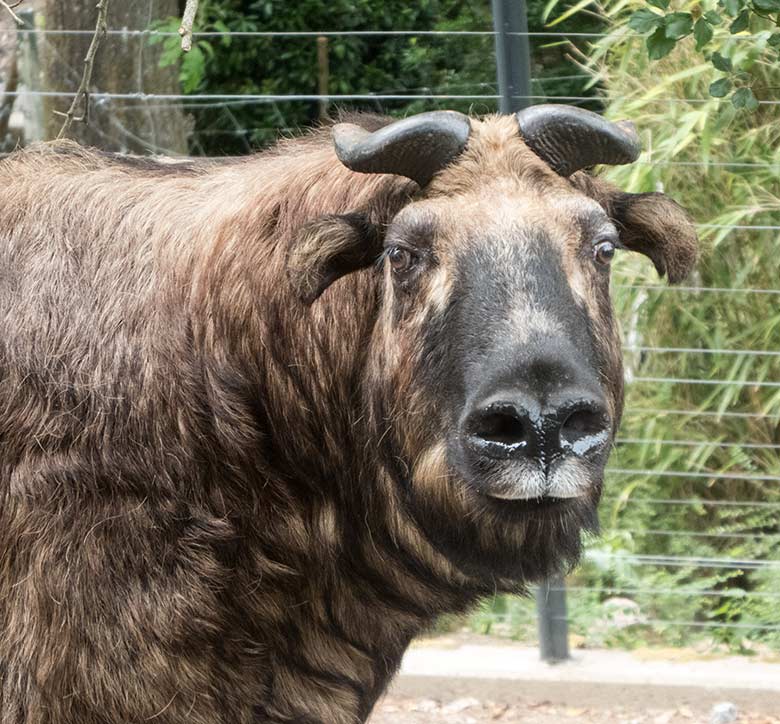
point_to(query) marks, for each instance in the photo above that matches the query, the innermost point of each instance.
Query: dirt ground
(468, 710)
(462, 678)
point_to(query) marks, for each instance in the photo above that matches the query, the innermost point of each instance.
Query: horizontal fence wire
(684, 561)
(126, 33)
(730, 593)
(705, 164)
(693, 502)
(641, 620)
(694, 624)
(702, 350)
(699, 381)
(697, 289)
(315, 97)
(696, 534)
(703, 413)
(708, 475)
(695, 443)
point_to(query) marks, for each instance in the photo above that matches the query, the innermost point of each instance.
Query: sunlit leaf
(744, 98)
(659, 45)
(702, 33)
(713, 17)
(678, 25)
(721, 63)
(741, 23)
(644, 20)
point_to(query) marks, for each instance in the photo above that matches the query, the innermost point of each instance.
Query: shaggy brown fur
(200, 517)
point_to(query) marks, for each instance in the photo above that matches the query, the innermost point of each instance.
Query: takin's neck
(341, 636)
(346, 580)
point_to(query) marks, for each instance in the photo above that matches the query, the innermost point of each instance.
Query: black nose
(516, 426)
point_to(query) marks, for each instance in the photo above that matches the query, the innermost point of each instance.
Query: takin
(263, 420)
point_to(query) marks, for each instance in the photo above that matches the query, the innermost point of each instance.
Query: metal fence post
(29, 61)
(513, 57)
(513, 68)
(553, 626)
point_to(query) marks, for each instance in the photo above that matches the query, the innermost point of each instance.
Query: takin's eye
(401, 260)
(604, 251)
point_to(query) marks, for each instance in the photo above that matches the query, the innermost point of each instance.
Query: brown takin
(262, 421)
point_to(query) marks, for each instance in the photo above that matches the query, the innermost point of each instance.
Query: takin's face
(496, 360)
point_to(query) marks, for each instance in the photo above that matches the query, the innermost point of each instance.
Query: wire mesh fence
(690, 545)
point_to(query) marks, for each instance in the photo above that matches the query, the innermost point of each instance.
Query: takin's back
(87, 299)
(103, 412)
(117, 274)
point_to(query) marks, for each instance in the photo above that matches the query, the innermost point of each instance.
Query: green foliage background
(425, 65)
(712, 28)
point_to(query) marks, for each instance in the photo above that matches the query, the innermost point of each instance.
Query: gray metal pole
(513, 68)
(553, 625)
(29, 61)
(513, 57)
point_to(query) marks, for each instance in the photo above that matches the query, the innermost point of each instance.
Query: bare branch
(82, 94)
(10, 8)
(187, 21)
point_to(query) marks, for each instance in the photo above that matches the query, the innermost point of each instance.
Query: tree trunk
(123, 65)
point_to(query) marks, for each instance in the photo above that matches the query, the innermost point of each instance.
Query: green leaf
(774, 41)
(720, 87)
(644, 20)
(662, 4)
(207, 47)
(678, 25)
(732, 7)
(658, 45)
(702, 33)
(740, 23)
(222, 27)
(193, 68)
(713, 17)
(721, 63)
(769, 6)
(744, 98)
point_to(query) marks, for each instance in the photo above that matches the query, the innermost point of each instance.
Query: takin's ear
(650, 223)
(328, 248)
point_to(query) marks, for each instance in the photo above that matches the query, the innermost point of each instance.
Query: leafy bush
(713, 28)
(402, 65)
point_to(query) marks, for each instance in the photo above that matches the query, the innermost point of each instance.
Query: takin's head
(495, 360)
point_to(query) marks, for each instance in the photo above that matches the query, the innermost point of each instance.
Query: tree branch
(10, 8)
(89, 63)
(187, 21)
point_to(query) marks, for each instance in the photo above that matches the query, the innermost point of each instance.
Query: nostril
(500, 430)
(584, 429)
(500, 426)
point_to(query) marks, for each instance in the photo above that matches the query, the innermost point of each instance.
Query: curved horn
(416, 147)
(570, 139)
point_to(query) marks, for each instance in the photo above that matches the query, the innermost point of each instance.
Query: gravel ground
(397, 710)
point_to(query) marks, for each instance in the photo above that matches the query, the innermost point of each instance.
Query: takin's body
(220, 504)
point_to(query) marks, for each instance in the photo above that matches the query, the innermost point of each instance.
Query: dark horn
(570, 139)
(416, 147)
